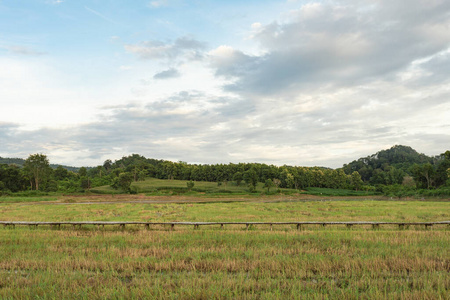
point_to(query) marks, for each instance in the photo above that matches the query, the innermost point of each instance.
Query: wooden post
(221, 226)
(299, 226)
(246, 226)
(349, 226)
(271, 227)
(147, 226)
(172, 227)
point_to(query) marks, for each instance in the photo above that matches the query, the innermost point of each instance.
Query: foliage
(356, 181)
(12, 179)
(268, 184)
(396, 166)
(123, 181)
(190, 184)
(37, 168)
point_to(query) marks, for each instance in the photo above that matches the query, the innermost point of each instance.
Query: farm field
(230, 263)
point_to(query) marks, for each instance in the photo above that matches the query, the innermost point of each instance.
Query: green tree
(251, 178)
(85, 183)
(37, 168)
(141, 176)
(99, 171)
(190, 184)
(423, 175)
(12, 178)
(356, 181)
(123, 181)
(238, 177)
(268, 184)
(82, 172)
(107, 165)
(61, 173)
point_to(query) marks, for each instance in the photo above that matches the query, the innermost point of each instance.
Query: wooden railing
(299, 225)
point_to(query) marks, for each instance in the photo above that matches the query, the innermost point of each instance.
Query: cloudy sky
(280, 82)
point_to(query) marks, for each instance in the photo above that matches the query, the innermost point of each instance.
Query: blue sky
(279, 82)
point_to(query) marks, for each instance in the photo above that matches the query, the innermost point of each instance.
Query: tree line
(398, 166)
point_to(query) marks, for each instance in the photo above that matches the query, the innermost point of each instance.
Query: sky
(304, 83)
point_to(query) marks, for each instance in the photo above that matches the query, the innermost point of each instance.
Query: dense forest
(390, 171)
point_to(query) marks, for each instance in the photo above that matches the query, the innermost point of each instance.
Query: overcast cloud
(301, 83)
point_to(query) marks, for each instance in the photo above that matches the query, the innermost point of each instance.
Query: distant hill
(396, 159)
(380, 167)
(20, 161)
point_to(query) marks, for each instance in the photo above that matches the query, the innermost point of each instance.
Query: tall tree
(37, 167)
(356, 181)
(268, 184)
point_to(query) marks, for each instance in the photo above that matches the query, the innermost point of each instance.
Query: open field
(265, 209)
(155, 187)
(233, 263)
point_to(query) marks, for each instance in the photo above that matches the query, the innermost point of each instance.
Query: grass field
(231, 263)
(155, 187)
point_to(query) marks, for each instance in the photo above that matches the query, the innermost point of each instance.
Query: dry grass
(234, 263)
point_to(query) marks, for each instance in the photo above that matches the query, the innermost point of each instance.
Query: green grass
(351, 210)
(336, 192)
(157, 187)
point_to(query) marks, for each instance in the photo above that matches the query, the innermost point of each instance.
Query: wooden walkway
(196, 225)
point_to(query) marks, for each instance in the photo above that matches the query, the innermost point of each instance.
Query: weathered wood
(299, 225)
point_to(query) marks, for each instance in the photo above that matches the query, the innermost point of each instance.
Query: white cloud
(182, 49)
(167, 74)
(321, 85)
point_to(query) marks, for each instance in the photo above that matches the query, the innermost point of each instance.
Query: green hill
(388, 166)
(20, 161)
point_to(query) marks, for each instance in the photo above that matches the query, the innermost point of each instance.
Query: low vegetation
(230, 263)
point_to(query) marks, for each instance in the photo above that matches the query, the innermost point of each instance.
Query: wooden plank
(299, 225)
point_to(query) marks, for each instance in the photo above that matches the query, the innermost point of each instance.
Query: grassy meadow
(230, 263)
(155, 187)
(233, 264)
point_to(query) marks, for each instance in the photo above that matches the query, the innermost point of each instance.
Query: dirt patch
(142, 198)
